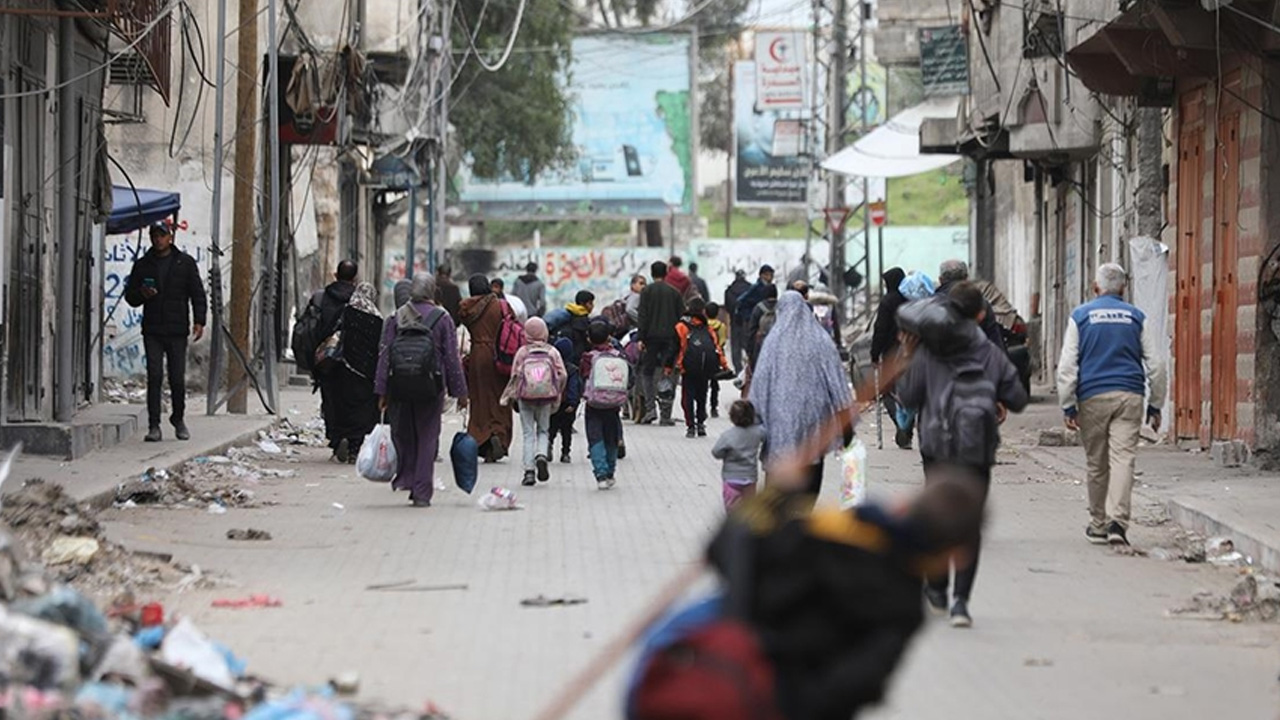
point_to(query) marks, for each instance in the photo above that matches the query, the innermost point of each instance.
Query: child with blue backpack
(538, 378)
(606, 379)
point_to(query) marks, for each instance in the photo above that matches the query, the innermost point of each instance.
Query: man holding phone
(165, 283)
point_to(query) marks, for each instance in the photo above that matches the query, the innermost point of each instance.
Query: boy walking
(606, 376)
(564, 415)
(961, 396)
(698, 361)
(537, 380)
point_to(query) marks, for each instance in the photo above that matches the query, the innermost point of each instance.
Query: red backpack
(717, 672)
(510, 340)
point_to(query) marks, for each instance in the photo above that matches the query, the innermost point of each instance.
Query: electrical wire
(511, 41)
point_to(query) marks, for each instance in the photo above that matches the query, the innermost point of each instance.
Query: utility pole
(268, 327)
(439, 155)
(864, 17)
(217, 353)
(836, 112)
(243, 229)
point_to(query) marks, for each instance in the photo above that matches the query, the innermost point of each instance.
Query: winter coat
(748, 300)
(661, 306)
(990, 325)
(885, 337)
(679, 280)
(701, 286)
(735, 290)
(449, 297)
(180, 296)
(532, 293)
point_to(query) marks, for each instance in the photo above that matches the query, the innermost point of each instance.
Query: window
(1041, 34)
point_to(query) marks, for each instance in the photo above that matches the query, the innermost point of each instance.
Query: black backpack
(306, 336)
(970, 422)
(413, 363)
(700, 354)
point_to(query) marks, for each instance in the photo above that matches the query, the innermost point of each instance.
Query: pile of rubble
(1256, 597)
(211, 482)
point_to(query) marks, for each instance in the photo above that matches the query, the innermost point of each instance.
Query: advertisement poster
(782, 71)
(632, 132)
(771, 167)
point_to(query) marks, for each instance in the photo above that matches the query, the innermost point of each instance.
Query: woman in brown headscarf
(490, 423)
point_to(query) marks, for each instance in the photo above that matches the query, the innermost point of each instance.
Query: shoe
(153, 435)
(565, 457)
(715, 411)
(343, 451)
(543, 473)
(667, 422)
(622, 450)
(960, 614)
(738, 382)
(648, 419)
(691, 432)
(180, 431)
(937, 600)
(421, 503)
(1095, 536)
(702, 431)
(903, 438)
(609, 482)
(602, 484)
(1115, 535)
(528, 480)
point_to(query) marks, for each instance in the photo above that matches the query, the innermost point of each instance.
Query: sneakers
(528, 480)
(667, 422)
(565, 457)
(903, 438)
(649, 418)
(1115, 535)
(702, 431)
(937, 600)
(153, 435)
(180, 431)
(342, 453)
(605, 483)
(690, 432)
(543, 473)
(960, 614)
(1095, 536)
(715, 411)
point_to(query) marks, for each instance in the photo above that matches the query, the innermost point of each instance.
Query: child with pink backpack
(537, 382)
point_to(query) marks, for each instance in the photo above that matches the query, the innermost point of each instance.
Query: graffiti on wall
(122, 352)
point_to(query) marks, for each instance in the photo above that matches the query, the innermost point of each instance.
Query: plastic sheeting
(893, 149)
(1150, 288)
(130, 211)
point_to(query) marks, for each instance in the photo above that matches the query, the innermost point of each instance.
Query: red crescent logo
(778, 50)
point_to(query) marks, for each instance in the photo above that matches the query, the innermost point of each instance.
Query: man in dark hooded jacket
(737, 328)
(448, 294)
(332, 300)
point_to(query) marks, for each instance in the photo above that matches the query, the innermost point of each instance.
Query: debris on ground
(414, 586)
(1059, 437)
(1222, 551)
(49, 524)
(248, 534)
(1256, 597)
(198, 484)
(125, 392)
(542, 601)
(498, 498)
(253, 601)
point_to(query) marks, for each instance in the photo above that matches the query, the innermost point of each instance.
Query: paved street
(1063, 629)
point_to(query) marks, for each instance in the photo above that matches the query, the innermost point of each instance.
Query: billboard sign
(944, 61)
(771, 168)
(781, 62)
(632, 133)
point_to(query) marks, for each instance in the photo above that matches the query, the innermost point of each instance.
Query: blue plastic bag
(464, 453)
(917, 286)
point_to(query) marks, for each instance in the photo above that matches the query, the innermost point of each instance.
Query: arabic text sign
(944, 61)
(770, 168)
(781, 61)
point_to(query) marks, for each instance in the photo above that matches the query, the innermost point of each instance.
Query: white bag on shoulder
(377, 460)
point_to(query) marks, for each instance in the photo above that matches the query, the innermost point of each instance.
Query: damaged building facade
(1142, 136)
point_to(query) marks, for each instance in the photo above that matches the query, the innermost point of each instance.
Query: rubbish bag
(186, 647)
(853, 474)
(464, 453)
(936, 322)
(917, 286)
(377, 460)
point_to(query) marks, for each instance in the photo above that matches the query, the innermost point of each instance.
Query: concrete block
(1229, 453)
(1059, 437)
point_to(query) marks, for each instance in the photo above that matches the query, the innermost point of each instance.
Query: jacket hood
(528, 279)
(893, 277)
(577, 310)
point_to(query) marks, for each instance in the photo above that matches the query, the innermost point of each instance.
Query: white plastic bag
(853, 474)
(186, 647)
(377, 459)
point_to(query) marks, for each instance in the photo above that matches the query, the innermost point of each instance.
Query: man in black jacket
(737, 329)
(661, 307)
(165, 283)
(884, 343)
(332, 300)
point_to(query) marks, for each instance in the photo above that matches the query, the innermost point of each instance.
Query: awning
(132, 211)
(893, 149)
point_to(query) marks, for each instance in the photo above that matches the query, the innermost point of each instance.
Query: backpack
(700, 355)
(970, 426)
(538, 378)
(510, 340)
(413, 361)
(610, 379)
(305, 337)
(616, 315)
(767, 320)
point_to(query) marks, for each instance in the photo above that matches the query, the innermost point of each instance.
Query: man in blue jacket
(1110, 363)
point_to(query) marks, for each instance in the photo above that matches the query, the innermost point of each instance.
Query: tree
(513, 122)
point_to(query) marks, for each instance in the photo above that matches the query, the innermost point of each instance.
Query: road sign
(780, 70)
(879, 214)
(836, 218)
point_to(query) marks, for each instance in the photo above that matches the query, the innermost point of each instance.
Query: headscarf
(893, 277)
(401, 292)
(363, 300)
(423, 288)
(478, 285)
(798, 381)
(535, 330)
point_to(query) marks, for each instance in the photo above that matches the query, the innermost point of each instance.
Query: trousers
(1110, 425)
(561, 427)
(967, 570)
(535, 424)
(693, 398)
(656, 387)
(604, 432)
(162, 350)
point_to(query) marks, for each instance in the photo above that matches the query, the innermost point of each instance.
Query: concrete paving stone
(1063, 629)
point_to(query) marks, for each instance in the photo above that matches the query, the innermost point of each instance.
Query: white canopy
(893, 149)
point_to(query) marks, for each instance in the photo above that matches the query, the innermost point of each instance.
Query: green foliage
(556, 233)
(514, 122)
